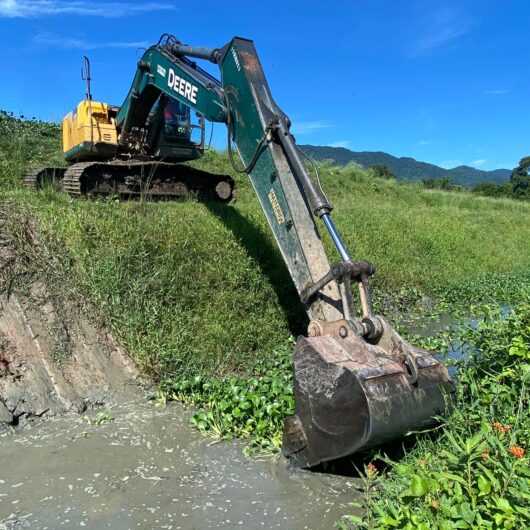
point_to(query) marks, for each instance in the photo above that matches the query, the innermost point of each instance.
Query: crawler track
(37, 178)
(72, 178)
(158, 180)
(30, 179)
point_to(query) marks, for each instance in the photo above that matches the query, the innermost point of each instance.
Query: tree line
(518, 187)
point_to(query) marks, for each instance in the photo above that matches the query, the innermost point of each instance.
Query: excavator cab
(170, 132)
(177, 121)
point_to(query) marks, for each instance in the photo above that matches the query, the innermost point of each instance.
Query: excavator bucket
(352, 395)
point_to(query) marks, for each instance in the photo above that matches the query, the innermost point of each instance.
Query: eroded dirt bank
(53, 357)
(50, 366)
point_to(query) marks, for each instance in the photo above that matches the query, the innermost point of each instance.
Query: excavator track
(72, 178)
(30, 179)
(37, 178)
(133, 178)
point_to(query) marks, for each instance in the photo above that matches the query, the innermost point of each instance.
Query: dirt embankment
(53, 359)
(50, 367)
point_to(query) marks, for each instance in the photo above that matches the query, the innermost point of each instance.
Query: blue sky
(442, 81)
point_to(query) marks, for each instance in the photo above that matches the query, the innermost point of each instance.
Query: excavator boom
(160, 71)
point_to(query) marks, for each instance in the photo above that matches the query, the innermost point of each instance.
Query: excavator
(136, 149)
(357, 383)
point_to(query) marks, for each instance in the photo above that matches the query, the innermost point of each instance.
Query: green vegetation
(520, 179)
(517, 188)
(23, 143)
(474, 473)
(444, 183)
(100, 418)
(199, 296)
(381, 171)
(497, 183)
(170, 280)
(251, 407)
(420, 240)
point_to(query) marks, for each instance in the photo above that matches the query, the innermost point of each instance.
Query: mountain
(406, 168)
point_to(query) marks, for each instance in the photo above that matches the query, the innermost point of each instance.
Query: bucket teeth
(351, 395)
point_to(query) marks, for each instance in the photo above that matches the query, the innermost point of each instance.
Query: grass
(418, 238)
(170, 281)
(25, 143)
(196, 288)
(199, 296)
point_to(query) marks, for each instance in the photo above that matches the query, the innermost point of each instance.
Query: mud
(147, 468)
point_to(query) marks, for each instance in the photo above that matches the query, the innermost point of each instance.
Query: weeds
(252, 408)
(25, 143)
(476, 473)
(101, 418)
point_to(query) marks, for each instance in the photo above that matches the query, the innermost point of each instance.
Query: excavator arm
(357, 383)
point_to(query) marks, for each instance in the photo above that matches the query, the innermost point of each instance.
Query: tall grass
(171, 281)
(418, 238)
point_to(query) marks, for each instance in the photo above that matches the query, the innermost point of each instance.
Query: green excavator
(357, 383)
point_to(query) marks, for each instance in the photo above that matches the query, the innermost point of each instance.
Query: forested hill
(406, 168)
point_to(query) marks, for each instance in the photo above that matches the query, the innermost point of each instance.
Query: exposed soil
(49, 366)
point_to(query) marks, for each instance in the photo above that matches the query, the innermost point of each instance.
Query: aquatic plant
(474, 473)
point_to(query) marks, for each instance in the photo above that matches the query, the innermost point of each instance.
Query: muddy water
(148, 469)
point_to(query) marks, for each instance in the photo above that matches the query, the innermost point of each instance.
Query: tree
(491, 189)
(443, 183)
(382, 171)
(520, 179)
